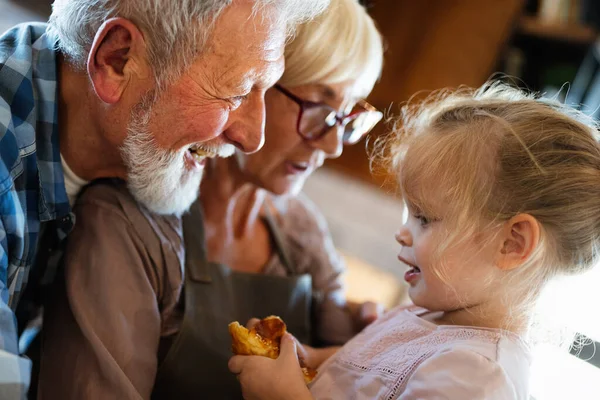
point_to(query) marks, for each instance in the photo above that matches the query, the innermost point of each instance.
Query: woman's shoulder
(300, 218)
(307, 234)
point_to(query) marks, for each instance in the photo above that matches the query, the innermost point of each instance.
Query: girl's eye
(423, 220)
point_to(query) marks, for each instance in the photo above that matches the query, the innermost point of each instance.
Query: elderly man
(141, 90)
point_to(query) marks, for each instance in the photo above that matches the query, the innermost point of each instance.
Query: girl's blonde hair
(339, 45)
(496, 152)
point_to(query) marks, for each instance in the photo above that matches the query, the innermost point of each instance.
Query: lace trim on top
(397, 349)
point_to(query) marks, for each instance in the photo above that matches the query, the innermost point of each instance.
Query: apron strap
(280, 244)
(195, 246)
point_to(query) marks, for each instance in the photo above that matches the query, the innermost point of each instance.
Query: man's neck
(83, 143)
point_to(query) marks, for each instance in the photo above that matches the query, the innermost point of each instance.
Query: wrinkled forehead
(244, 51)
(248, 44)
(242, 30)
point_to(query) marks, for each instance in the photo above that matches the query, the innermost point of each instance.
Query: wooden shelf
(575, 33)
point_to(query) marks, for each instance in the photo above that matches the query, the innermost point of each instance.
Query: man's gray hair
(174, 30)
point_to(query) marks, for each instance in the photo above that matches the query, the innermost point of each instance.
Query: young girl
(503, 195)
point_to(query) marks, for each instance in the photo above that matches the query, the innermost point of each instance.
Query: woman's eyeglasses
(316, 119)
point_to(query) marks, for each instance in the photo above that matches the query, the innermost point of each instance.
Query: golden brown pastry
(263, 340)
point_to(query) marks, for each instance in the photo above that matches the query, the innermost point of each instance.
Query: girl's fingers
(236, 364)
(288, 347)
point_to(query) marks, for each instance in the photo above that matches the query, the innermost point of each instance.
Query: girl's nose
(404, 237)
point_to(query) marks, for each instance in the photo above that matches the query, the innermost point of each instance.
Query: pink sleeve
(458, 375)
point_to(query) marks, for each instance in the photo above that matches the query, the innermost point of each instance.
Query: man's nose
(247, 130)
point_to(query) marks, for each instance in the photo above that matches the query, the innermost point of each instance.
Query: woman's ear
(117, 55)
(520, 237)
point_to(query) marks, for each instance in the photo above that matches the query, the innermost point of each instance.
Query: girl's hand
(263, 378)
(369, 311)
(309, 356)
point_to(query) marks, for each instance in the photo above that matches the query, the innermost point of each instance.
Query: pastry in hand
(263, 339)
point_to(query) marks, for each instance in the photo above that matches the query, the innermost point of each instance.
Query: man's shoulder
(113, 198)
(106, 206)
(299, 214)
(107, 193)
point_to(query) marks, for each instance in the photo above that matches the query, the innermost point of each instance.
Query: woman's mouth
(296, 168)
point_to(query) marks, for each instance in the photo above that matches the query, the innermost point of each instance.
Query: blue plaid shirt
(32, 187)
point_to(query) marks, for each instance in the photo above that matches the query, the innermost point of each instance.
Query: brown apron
(195, 366)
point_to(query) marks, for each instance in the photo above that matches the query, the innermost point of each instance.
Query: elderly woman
(254, 245)
(140, 326)
(255, 220)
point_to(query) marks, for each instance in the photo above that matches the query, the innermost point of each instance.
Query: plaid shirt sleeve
(32, 188)
(14, 370)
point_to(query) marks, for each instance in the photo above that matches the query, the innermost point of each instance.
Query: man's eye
(237, 101)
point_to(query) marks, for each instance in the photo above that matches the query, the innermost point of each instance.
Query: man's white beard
(157, 178)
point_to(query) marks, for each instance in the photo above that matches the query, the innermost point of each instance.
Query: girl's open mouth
(412, 274)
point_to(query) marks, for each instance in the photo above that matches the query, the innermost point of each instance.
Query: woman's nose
(331, 143)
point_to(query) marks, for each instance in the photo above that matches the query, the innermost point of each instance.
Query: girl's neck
(482, 315)
(228, 197)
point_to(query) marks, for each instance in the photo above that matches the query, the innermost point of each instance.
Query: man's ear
(118, 54)
(520, 237)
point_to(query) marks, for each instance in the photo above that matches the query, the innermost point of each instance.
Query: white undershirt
(73, 183)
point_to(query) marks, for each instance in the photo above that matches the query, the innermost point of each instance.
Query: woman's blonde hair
(339, 45)
(494, 153)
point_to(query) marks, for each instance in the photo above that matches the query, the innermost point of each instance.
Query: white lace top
(403, 356)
